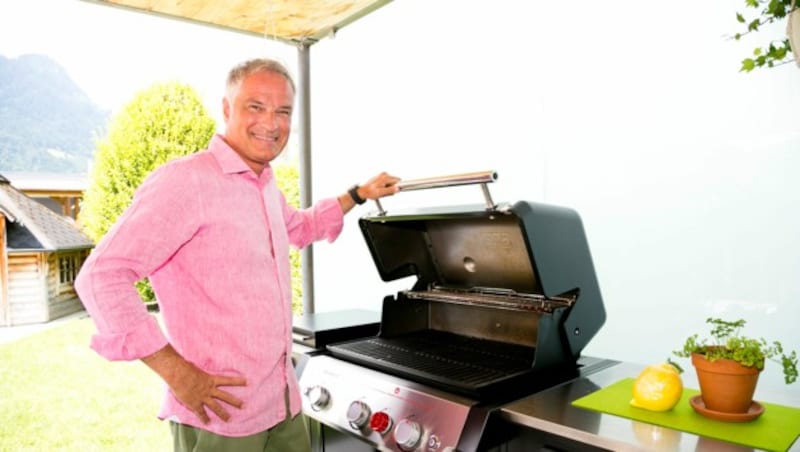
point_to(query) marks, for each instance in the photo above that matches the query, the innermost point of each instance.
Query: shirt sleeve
(161, 218)
(323, 220)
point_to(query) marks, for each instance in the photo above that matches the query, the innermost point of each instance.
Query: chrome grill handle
(481, 177)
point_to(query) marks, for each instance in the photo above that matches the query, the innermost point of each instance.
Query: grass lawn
(58, 394)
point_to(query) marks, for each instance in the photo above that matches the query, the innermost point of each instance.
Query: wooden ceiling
(292, 21)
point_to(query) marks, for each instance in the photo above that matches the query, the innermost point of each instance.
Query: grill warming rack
(493, 298)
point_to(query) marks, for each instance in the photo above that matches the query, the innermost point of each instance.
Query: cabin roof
(33, 227)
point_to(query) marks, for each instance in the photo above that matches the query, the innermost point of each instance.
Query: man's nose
(270, 118)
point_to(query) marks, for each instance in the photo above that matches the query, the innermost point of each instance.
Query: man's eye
(255, 107)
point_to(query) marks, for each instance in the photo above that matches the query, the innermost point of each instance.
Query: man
(212, 232)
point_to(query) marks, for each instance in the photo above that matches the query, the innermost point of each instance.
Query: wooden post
(64, 205)
(76, 206)
(5, 306)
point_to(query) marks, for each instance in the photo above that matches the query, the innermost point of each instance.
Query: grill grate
(455, 360)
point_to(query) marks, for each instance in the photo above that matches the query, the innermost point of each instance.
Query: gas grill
(505, 300)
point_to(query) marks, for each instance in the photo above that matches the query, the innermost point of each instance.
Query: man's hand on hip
(194, 388)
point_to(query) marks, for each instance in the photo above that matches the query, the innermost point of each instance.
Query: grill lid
(470, 248)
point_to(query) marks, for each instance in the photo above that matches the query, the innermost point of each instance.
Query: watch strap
(353, 192)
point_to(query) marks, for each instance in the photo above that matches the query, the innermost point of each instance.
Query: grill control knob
(318, 397)
(407, 434)
(358, 414)
(381, 422)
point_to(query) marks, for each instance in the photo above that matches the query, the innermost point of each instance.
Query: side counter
(548, 420)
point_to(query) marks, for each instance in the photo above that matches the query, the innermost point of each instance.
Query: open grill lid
(471, 248)
(520, 250)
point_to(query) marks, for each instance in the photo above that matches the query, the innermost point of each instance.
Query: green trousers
(288, 436)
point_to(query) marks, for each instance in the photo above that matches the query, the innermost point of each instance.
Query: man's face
(258, 120)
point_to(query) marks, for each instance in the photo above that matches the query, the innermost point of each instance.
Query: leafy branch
(777, 52)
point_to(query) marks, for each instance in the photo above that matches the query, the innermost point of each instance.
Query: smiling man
(212, 233)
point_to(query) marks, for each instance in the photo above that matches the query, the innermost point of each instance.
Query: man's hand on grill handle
(383, 184)
(194, 388)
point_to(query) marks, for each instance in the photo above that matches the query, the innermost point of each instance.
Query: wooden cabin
(40, 255)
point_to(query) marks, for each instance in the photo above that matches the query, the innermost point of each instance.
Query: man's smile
(265, 136)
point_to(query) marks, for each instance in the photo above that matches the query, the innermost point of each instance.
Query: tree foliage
(162, 122)
(776, 52)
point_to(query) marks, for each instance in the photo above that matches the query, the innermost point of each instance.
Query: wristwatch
(353, 191)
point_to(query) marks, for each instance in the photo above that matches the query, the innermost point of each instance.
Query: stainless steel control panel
(389, 413)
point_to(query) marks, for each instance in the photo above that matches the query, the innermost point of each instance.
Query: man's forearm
(167, 363)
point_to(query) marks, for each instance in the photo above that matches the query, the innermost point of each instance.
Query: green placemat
(776, 429)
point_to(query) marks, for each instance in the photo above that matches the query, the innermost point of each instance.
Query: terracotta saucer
(756, 409)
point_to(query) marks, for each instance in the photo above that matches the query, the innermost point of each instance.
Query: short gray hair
(242, 70)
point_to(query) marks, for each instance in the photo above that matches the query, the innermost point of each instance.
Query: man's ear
(226, 108)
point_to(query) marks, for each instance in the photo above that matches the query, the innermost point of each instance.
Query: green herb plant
(726, 342)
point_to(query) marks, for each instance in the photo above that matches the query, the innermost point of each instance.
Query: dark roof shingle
(32, 223)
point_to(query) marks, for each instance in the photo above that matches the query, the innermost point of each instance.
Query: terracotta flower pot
(725, 385)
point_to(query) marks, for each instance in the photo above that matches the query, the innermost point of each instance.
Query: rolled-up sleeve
(156, 224)
(324, 220)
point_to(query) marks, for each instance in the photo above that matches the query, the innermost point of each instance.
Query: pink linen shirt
(213, 237)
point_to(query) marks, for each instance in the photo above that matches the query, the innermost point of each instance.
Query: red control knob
(380, 422)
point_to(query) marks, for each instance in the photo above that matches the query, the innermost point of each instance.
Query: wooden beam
(50, 193)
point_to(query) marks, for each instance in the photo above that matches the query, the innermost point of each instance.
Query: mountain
(47, 123)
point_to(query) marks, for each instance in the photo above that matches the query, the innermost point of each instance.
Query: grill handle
(480, 177)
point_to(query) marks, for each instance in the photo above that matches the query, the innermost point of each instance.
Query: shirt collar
(228, 159)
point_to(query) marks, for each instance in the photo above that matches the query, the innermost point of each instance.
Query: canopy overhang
(296, 22)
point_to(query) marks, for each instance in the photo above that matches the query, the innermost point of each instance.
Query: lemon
(657, 388)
